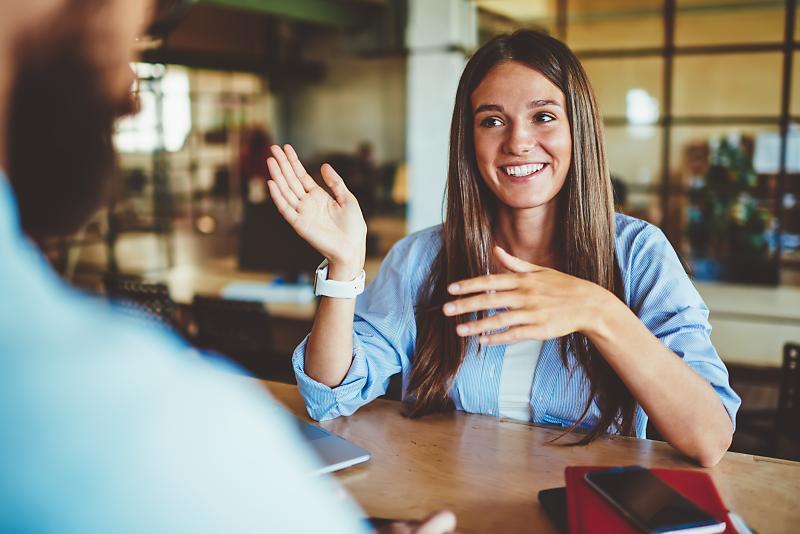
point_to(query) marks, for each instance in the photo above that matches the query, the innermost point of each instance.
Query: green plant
(725, 219)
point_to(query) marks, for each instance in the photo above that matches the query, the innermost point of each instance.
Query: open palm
(333, 225)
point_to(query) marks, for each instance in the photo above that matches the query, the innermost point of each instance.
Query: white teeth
(524, 170)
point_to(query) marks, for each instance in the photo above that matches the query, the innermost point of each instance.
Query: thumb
(512, 263)
(334, 182)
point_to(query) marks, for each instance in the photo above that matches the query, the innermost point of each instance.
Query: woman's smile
(521, 173)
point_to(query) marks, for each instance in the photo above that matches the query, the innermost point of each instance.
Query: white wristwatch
(336, 288)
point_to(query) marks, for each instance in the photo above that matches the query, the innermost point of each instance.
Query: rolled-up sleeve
(666, 301)
(384, 331)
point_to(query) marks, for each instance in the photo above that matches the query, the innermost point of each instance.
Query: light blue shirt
(109, 427)
(657, 289)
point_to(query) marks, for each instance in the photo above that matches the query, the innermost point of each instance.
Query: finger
(513, 335)
(305, 180)
(438, 523)
(514, 264)
(485, 301)
(280, 181)
(288, 171)
(489, 282)
(496, 322)
(288, 212)
(335, 183)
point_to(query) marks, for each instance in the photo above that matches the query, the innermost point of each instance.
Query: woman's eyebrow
(488, 107)
(542, 103)
(531, 105)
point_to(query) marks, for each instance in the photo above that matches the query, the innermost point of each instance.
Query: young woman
(533, 300)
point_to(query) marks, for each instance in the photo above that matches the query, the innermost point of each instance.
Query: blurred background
(701, 104)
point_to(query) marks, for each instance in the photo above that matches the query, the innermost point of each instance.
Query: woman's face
(522, 135)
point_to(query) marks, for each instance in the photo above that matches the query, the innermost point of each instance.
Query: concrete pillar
(439, 35)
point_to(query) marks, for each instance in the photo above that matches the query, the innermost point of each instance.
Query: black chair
(242, 331)
(788, 422)
(148, 302)
(778, 430)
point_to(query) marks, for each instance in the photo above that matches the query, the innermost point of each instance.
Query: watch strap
(337, 288)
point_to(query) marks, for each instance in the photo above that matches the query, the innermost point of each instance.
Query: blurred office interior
(701, 105)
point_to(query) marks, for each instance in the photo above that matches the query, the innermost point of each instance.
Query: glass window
(690, 144)
(727, 85)
(519, 10)
(712, 22)
(139, 133)
(634, 159)
(627, 87)
(504, 16)
(634, 155)
(727, 210)
(797, 25)
(643, 205)
(595, 25)
(790, 240)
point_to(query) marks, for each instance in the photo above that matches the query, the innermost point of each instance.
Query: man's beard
(60, 152)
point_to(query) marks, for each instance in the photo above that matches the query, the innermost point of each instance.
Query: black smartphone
(650, 503)
(554, 502)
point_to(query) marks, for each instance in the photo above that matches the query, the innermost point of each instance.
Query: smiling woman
(524, 99)
(533, 300)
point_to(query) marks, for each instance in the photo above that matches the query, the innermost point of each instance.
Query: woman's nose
(521, 140)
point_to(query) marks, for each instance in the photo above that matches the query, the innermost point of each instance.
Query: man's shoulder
(43, 318)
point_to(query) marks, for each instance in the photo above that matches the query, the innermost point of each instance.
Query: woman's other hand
(441, 522)
(333, 225)
(541, 303)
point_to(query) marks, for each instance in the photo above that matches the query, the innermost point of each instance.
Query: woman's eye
(491, 122)
(544, 117)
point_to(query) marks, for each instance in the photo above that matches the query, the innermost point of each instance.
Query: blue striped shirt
(656, 287)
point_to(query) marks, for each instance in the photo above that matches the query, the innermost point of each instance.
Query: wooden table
(489, 471)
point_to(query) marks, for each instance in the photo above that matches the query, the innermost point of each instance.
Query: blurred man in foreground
(108, 427)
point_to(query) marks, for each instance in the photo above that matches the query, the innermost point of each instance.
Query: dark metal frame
(788, 46)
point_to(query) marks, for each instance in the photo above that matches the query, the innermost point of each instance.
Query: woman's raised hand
(333, 225)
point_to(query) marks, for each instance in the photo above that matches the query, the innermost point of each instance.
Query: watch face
(320, 274)
(316, 279)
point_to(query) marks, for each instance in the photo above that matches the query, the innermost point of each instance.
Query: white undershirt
(516, 380)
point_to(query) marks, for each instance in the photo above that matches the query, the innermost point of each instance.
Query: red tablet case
(588, 511)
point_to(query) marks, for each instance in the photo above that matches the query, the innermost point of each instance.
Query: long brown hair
(585, 232)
